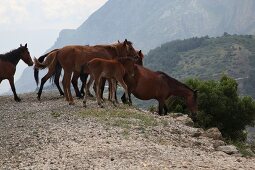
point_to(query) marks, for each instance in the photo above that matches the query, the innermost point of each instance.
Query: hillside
(208, 58)
(53, 135)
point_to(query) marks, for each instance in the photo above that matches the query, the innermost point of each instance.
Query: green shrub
(220, 106)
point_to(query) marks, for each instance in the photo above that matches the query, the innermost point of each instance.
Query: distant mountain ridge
(150, 23)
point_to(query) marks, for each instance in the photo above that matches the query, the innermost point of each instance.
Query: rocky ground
(53, 135)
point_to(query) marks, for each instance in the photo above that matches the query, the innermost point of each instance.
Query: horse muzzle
(30, 63)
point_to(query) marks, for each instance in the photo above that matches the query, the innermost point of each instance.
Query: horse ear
(20, 45)
(140, 52)
(118, 41)
(26, 45)
(125, 42)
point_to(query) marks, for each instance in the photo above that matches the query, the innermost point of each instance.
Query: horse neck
(180, 88)
(119, 50)
(12, 57)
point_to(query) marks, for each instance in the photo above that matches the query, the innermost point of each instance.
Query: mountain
(150, 23)
(208, 58)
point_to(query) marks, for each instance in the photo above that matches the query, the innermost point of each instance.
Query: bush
(220, 106)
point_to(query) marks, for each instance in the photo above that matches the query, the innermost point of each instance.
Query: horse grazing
(72, 58)
(147, 84)
(8, 63)
(113, 70)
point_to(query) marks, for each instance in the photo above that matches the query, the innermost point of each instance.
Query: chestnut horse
(72, 58)
(147, 84)
(112, 70)
(8, 63)
(138, 61)
(56, 75)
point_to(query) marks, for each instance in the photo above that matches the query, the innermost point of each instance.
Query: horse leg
(43, 81)
(124, 99)
(165, 109)
(86, 90)
(66, 85)
(123, 84)
(129, 96)
(91, 80)
(83, 78)
(75, 84)
(56, 79)
(102, 84)
(11, 81)
(160, 107)
(113, 92)
(110, 88)
(97, 81)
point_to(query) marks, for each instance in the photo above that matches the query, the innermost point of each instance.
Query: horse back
(107, 67)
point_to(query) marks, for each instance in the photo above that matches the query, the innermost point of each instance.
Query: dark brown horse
(112, 70)
(147, 84)
(8, 64)
(72, 58)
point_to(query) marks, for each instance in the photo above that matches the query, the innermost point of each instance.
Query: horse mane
(168, 78)
(13, 56)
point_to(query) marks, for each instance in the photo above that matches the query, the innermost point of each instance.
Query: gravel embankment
(52, 135)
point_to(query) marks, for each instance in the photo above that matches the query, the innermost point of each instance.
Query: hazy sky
(38, 22)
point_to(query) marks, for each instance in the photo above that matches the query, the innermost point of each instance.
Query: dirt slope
(52, 135)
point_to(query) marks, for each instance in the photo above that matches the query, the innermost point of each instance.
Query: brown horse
(56, 75)
(138, 61)
(112, 70)
(72, 58)
(8, 64)
(147, 84)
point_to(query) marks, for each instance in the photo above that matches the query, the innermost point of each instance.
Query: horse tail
(40, 63)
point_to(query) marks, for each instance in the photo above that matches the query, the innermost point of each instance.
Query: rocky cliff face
(148, 23)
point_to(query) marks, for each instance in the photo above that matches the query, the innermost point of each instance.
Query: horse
(138, 61)
(72, 58)
(147, 84)
(56, 75)
(8, 63)
(112, 70)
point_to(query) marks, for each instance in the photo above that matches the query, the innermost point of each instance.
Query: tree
(220, 106)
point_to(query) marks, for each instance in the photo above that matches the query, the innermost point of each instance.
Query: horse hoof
(38, 98)
(17, 99)
(71, 103)
(100, 106)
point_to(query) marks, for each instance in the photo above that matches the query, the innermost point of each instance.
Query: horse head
(126, 49)
(25, 55)
(192, 101)
(129, 65)
(139, 60)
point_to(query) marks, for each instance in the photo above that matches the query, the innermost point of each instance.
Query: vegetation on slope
(208, 58)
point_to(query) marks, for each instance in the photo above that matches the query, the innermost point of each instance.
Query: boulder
(228, 149)
(185, 120)
(217, 143)
(213, 133)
